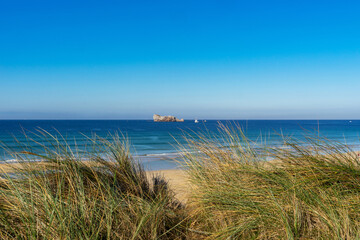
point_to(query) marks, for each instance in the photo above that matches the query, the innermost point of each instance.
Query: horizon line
(185, 119)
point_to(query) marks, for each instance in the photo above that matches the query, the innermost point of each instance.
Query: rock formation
(158, 118)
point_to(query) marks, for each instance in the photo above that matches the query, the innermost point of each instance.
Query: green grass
(311, 190)
(65, 198)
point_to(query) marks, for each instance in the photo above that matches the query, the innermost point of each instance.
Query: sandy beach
(177, 180)
(176, 177)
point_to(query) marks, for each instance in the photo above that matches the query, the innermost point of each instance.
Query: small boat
(196, 121)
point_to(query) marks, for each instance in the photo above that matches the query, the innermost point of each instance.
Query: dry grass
(311, 192)
(66, 198)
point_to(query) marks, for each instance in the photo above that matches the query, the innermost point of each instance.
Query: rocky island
(158, 118)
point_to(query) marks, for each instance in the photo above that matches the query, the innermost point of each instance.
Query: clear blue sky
(193, 59)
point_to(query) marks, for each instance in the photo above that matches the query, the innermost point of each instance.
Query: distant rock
(158, 118)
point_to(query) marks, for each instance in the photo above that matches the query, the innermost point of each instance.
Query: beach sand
(177, 180)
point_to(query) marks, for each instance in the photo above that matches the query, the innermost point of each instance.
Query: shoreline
(176, 178)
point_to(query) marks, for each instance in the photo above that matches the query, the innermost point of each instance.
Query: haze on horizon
(191, 59)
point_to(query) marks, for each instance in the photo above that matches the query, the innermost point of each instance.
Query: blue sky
(192, 59)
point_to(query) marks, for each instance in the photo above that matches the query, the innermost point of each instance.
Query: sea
(156, 144)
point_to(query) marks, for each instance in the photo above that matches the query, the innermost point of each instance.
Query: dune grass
(65, 198)
(310, 190)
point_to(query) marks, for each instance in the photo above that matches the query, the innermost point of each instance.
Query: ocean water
(154, 143)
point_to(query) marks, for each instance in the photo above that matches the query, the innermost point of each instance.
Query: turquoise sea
(154, 144)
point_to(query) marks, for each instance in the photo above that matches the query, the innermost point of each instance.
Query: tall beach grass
(309, 190)
(107, 197)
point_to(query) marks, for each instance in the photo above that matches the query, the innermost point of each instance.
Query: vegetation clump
(238, 190)
(310, 189)
(109, 196)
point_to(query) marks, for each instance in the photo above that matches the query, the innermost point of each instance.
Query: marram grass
(107, 197)
(310, 190)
